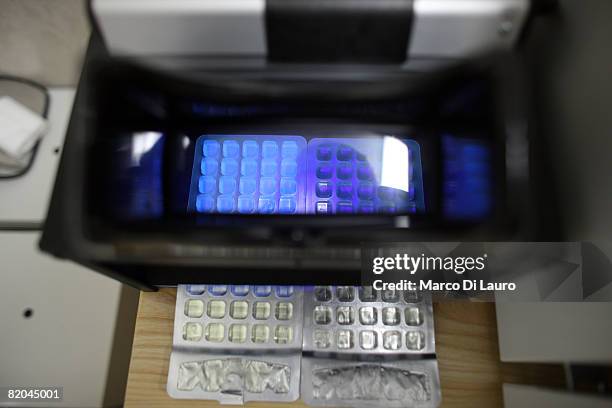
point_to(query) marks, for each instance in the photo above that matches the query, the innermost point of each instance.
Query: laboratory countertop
(471, 373)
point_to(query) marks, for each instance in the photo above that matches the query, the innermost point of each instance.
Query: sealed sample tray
(361, 320)
(364, 176)
(228, 317)
(274, 174)
(249, 174)
(236, 343)
(349, 383)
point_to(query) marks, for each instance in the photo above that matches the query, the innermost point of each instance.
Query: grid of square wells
(253, 175)
(239, 317)
(348, 319)
(342, 179)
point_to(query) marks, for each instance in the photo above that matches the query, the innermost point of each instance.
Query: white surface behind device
(58, 324)
(62, 324)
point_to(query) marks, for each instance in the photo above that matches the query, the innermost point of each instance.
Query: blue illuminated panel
(249, 175)
(287, 175)
(137, 183)
(467, 186)
(364, 176)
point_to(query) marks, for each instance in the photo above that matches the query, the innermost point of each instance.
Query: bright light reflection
(142, 142)
(395, 164)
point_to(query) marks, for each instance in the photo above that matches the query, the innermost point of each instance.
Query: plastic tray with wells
(370, 383)
(236, 343)
(366, 348)
(331, 345)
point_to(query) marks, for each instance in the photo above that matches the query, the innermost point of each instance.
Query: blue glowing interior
(274, 174)
(468, 183)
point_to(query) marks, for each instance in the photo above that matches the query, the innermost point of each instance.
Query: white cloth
(20, 128)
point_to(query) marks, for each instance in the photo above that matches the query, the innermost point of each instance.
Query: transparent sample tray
(238, 317)
(236, 343)
(347, 383)
(359, 320)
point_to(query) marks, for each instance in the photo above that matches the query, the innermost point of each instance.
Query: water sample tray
(236, 343)
(238, 317)
(364, 176)
(361, 320)
(248, 174)
(273, 174)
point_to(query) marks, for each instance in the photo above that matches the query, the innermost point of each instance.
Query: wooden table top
(471, 374)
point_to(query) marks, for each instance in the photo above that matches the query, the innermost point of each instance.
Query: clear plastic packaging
(364, 348)
(236, 343)
(393, 383)
(234, 379)
(360, 320)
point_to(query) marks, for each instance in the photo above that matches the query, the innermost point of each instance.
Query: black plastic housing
(179, 248)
